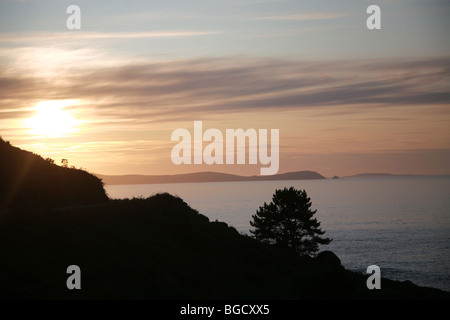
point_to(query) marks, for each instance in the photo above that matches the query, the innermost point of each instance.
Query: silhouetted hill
(365, 175)
(154, 248)
(204, 177)
(383, 175)
(28, 180)
(374, 175)
(160, 248)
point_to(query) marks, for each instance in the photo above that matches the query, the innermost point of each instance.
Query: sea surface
(401, 224)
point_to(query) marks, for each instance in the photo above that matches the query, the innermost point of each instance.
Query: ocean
(399, 223)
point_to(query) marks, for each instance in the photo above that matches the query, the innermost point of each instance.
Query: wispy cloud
(82, 35)
(326, 106)
(311, 16)
(189, 88)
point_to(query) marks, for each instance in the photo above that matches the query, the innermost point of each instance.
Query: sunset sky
(346, 99)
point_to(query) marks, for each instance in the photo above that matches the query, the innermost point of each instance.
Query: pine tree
(288, 221)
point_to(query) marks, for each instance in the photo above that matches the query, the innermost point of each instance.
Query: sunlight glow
(52, 120)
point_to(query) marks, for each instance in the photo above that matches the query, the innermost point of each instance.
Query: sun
(52, 120)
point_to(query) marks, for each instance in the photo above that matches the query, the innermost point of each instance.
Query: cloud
(84, 35)
(311, 16)
(321, 106)
(170, 91)
(12, 114)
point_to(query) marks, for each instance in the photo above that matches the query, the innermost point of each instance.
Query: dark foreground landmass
(28, 180)
(160, 248)
(156, 248)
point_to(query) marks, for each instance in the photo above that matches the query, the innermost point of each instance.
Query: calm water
(401, 224)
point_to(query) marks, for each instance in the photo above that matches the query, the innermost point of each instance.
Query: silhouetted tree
(65, 163)
(288, 221)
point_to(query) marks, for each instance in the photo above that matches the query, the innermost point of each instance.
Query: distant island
(387, 175)
(210, 176)
(365, 175)
(204, 177)
(373, 175)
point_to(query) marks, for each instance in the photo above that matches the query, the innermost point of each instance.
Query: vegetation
(154, 248)
(27, 180)
(160, 248)
(288, 222)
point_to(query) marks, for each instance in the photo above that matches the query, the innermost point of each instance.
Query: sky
(345, 99)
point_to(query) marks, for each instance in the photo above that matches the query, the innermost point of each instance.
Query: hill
(376, 175)
(28, 180)
(155, 248)
(160, 248)
(205, 177)
(370, 175)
